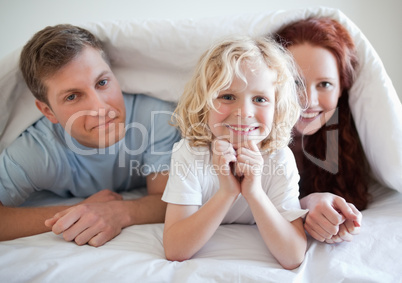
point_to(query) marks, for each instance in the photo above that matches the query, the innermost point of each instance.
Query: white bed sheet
(236, 253)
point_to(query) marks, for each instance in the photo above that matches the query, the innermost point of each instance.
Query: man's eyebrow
(72, 90)
(105, 72)
(65, 91)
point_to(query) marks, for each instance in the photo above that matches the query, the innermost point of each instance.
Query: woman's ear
(47, 111)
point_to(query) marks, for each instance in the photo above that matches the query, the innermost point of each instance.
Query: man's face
(86, 99)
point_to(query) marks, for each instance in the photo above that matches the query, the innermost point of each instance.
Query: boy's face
(86, 99)
(245, 111)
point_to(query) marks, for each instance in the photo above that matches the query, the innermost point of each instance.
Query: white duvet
(236, 253)
(156, 57)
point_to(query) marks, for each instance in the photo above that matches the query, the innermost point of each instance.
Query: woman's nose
(312, 96)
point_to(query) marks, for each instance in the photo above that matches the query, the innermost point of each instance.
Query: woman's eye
(325, 84)
(71, 97)
(102, 82)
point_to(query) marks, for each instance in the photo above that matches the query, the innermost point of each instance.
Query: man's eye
(71, 97)
(102, 82)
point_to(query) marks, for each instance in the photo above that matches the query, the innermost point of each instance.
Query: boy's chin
(238, 141)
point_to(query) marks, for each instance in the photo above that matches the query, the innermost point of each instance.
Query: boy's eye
(102, 82)
(227, 97)
(260, 99)
(71, 97)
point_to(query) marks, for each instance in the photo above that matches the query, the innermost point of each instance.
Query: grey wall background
(380, 21)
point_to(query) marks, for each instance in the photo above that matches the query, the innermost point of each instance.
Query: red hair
(351, 180)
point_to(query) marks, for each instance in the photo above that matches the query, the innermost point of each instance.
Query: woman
(329, 155)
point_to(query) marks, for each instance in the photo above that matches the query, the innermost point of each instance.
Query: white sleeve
(283, 187)
(183, 186)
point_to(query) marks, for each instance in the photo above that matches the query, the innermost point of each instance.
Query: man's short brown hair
(49, 50)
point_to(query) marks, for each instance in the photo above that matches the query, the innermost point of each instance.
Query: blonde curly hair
(215, 72)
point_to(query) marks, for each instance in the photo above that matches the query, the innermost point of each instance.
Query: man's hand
(330, 218)
(91, 221)
(102, 216)
(94, 223)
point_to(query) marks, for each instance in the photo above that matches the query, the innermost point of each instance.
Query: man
(93, 142)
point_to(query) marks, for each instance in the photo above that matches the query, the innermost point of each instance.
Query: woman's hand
(347, 229)
(330, 218)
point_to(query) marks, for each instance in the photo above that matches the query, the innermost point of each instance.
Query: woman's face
(319, 69)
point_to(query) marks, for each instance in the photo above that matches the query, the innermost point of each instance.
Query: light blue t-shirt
(45, 157)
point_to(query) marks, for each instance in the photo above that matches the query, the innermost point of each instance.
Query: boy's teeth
(242, 129)
(309, 115)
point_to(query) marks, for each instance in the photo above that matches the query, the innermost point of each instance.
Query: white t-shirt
(193, 181)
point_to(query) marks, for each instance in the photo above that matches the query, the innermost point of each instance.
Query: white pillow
(157, 57)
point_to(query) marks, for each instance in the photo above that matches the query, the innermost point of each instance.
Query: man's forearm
(22, 222)
(145, 210)
(16, 222)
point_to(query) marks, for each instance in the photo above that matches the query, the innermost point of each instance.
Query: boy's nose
(245, 111)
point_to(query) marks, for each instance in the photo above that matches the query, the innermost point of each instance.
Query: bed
(156, 57)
